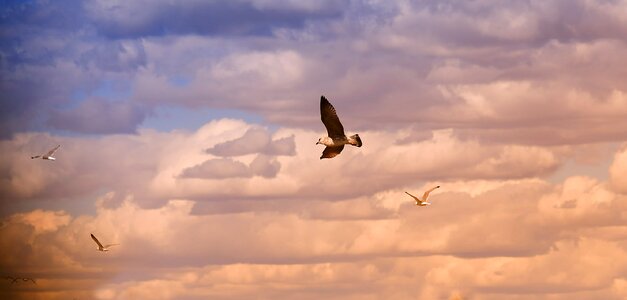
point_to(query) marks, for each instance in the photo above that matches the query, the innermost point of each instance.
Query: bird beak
(317, 143)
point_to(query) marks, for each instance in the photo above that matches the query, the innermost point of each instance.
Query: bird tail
(355, 140)
(33, 157)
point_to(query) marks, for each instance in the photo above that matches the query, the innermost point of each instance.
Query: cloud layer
(516, 108)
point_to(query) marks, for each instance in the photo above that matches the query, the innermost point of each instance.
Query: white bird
(100, 246)
(336, 138)
(48, 155)
(423, 201)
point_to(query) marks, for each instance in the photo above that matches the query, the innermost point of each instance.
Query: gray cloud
(135, 19)
(218, 168)
(265, 166)
(255, 140)
(99, 116)
(115, 56)
(370, 58)
(222, 168)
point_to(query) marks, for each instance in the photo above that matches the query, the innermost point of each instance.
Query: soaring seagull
(15, 279)
(100, 246)
(423, 201)
(336, 138)
(48, 155)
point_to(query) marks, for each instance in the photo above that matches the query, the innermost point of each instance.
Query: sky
(188, 130)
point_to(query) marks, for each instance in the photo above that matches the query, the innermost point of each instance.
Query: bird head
(325, 140)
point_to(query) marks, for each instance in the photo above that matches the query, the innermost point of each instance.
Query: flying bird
(15, 279)
(336, 138)
(48, 155)
(423, 201)
(100, 246)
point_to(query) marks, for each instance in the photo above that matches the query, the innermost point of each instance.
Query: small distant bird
(48, 155)
(423, 201)
(336, 138)
(15, 279)
(100, 246)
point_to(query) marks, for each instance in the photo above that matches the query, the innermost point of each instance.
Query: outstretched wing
(107, 246)
(415, 198)
(96, 240)
(51, 152)
(330, 119)
(330, 152)
(426, 194)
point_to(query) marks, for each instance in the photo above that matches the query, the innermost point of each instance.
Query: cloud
(221, 168)
(507, 105)
(371, 58)
(217, 168)
(174, 165)
(618, 172)
(115, 56)
(136, 19)
(99, 116)
(255, 140)
(525, 239)
(265, 166)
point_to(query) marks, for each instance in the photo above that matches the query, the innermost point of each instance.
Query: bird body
(100, 246)
(48, 155)
(423, 201)
(336, 138)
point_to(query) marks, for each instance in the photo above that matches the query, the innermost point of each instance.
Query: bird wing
(107, 246)
(426, 194)
(330, 152)
(415, 198)
(96, 240)
(51, 152)
(330, 119)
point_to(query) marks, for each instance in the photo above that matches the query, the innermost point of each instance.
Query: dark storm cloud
(136, 19)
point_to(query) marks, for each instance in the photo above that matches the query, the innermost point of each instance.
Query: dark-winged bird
(100, 246)
(336, 138)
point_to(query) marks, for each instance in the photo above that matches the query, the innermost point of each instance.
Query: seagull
(336, 138)
(423, 201)
(15, 279)
(100, 246)
(48, 155)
